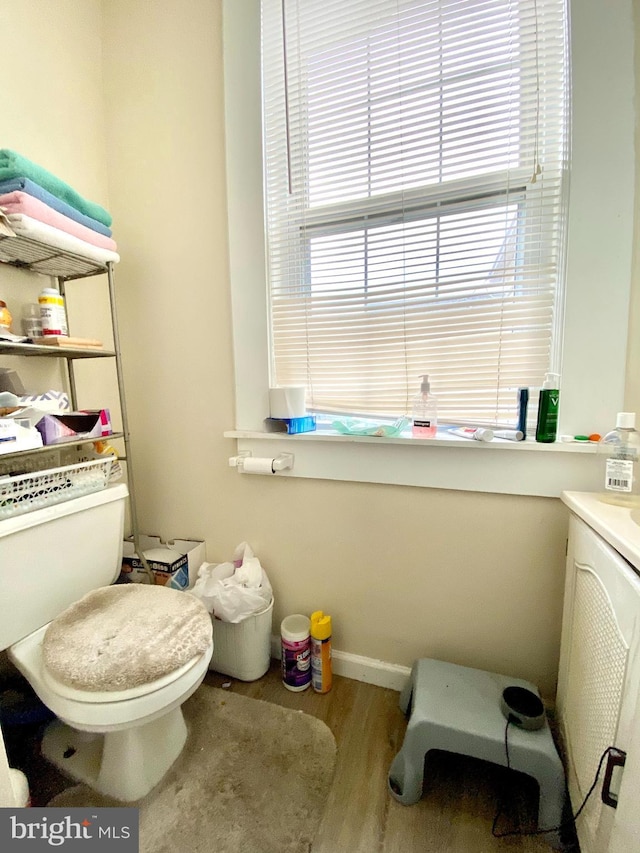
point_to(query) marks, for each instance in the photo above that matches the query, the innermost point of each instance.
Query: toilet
(114, 663)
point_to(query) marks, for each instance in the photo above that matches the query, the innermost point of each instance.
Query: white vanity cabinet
(598, 700)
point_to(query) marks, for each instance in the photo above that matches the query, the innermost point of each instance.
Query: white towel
(25, 226)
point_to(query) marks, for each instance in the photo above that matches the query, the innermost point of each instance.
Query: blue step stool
(457, 709)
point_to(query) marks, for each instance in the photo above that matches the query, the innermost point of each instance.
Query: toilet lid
(120, 637)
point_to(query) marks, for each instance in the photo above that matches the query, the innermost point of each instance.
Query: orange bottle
(5, 316)
(321, 675)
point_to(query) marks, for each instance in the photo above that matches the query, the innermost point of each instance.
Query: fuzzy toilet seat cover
(124, 636)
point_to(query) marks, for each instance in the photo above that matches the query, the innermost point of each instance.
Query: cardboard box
(180, 572)
(291, 425)
(69, 426)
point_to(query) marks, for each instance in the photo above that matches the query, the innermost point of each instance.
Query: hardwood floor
(460, 798)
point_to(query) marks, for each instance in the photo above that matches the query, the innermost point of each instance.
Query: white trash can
(243, 649)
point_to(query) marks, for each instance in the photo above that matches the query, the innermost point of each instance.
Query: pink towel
(19, 202)
(41, 232)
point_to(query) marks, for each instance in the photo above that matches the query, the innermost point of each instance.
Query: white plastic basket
(54, 456)
(39, 489)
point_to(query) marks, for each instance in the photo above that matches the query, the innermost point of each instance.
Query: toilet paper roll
(288, 401)
(257, 465)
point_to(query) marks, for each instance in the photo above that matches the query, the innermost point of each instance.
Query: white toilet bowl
(136, 734)
(106, 711)
(120, 742)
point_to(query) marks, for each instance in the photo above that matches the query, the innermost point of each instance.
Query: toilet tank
(51, 557)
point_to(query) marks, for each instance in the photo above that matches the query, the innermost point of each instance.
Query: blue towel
(26, 186)
(13, 165)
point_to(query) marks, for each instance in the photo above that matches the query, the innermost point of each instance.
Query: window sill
(451, 462)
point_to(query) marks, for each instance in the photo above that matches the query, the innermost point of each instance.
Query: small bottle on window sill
(424, 420)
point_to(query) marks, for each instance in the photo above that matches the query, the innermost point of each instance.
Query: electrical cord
(565, 824)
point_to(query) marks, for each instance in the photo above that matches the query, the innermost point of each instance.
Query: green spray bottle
(547, 425)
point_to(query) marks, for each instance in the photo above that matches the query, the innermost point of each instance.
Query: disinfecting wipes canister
(296, 652)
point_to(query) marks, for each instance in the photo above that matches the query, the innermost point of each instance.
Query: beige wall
(52, 111)
(472, 578)
(632, 396)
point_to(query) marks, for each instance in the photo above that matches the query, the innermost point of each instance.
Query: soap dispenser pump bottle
(621, 448)
(547, 424)
(425, 411)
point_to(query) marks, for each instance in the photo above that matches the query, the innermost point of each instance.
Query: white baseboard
(360, 668)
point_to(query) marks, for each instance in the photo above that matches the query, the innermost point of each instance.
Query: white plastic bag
(234, 591)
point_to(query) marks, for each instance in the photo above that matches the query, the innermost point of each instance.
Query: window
(599, 252)
(415, 160)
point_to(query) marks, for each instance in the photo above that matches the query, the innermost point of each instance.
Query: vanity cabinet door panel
(625, 832)
(599, 672)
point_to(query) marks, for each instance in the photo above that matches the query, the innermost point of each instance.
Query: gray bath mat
(253, 777)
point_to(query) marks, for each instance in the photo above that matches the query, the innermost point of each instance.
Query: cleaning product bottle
(296, 652)
(547, 425)
(425, 411)
(621, 449)
(321, 675)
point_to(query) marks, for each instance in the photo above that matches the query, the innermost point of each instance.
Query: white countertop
(617, 525)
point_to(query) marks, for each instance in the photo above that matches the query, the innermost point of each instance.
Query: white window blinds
(415, 153)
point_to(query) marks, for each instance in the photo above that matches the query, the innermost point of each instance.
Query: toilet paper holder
(261, 465)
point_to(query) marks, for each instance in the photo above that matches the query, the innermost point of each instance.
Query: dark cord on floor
(565, 824)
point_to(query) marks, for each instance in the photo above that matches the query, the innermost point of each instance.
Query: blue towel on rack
(13, 165)
(26, 186)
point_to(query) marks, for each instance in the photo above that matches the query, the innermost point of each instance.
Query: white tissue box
(49, 402)
(179, 572)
